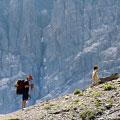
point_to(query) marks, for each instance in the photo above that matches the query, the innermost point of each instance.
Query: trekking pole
(29, 95)
(31, 91)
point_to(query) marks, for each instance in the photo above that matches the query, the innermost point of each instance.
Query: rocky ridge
(100, 102)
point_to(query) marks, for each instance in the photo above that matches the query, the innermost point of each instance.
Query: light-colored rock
(96, 103)
(58, 42)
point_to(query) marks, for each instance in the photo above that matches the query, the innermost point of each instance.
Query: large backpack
(19, 86)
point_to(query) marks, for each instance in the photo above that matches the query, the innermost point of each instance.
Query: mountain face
(85, 33)
(58, 42)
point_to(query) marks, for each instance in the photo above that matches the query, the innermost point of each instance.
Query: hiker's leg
(25, 98)
(94, 83)
(23, 103)
(97, 82)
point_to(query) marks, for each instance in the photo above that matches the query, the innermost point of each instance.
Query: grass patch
(57, 106)
(89, 111)
(47, 107)
(76, 92)
(83, 115)
(70, 107)
(66, 107)
(91, 116)
(96, 94)
(97, 103)
(51, 104)
(100, 112)
(109, 87)
(80, 94)
(77, 100)
(109, 102)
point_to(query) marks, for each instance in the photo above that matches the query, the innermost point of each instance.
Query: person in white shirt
(95, 77)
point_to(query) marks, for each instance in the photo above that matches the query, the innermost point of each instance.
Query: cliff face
(100, 102)
(21, 46)
(58, 42)
(84, 33)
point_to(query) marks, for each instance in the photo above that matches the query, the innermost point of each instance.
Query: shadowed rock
(109, 78)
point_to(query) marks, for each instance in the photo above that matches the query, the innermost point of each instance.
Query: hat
(29, 76)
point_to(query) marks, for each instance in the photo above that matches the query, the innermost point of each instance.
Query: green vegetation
(51, 104)
(65, 107)
(89, 111)
(91, 86)
(97, 103)
(47, 107)
(71, 117)
(42, 117)
(100, 112)
(108, 106)
(86, 105)
(80, 94)
(77, 100)
(75, 108)
(96, 94)
(57, 106)
(83, 115)
(91, 116)
(76, 91)
(109, 87)
(109, 102)
(70, 107)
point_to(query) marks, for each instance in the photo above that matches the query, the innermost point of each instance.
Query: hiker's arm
(93, 75)
(31, 85)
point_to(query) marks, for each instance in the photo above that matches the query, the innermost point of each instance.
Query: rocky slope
(58, 42)
(101, 102)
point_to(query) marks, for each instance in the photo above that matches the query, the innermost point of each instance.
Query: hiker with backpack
(23, 89)
(95, 77)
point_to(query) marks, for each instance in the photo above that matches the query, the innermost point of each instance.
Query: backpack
(19, 86)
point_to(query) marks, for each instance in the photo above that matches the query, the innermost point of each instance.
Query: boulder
(109, 78)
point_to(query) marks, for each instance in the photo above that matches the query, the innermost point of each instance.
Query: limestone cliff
(58, 42)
